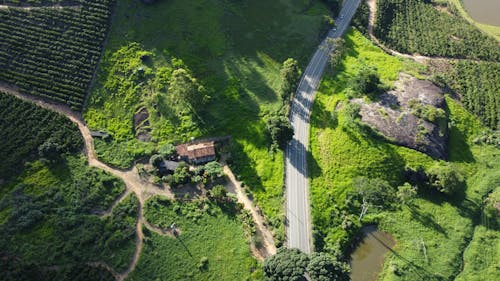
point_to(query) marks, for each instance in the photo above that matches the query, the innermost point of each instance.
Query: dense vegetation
(49, 222)
(25, 128)
(479, 87)
(233, 51)
(292, 264)
(52, 52)
(415, 26)
(210, 244)
(349, 162)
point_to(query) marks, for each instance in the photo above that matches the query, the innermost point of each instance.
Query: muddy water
(368, 258)
(484, 11)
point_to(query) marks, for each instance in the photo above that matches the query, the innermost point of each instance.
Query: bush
(446, 178)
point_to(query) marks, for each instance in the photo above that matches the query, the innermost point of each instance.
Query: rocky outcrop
(412, 115)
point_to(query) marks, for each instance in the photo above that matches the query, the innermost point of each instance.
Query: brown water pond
(368, 258)
(484, 11)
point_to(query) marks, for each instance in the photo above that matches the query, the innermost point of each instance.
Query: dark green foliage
(333, 5)
(478, 85)
(52, 52)
(375, 191)
(167, 150)
(367, 82)
(325, 267)
(51, 220)
(415, 26)
(446, 177)
(218, 193)
(28, 130)
(286, 265)
(361, 18)
(280, 130)
(213, 170)
(352, 115)
(290, 76)
(14, 269)
(156, 160)
(181, 174)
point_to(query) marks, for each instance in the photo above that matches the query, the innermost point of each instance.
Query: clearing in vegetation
(344, 153)
(223, 59)
(52, 52)
(211, 243)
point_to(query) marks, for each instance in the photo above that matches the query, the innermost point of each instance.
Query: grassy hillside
(232, 52)
(341, 152)
(208, 231)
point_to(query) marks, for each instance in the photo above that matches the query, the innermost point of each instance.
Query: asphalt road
(298, 221)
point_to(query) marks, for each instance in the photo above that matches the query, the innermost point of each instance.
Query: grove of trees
(29, 132)
(415, 26)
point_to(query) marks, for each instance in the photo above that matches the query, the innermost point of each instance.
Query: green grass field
(340, 153)
(234, 49)
(206, 231)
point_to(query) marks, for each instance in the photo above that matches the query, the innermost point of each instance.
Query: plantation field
(414, 26)
(207, 232)
(227, 54)
(478, 85)
(50, 228)
(52, 52)
(340, 152)
(25, 127)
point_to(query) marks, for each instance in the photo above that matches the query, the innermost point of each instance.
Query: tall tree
(325, 267)
(286, 265)
(290, 76)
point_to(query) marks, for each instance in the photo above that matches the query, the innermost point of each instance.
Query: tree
(406, 193)
(376, 191)
(213, 170)
(446, 178)
(181, 174)
(280, 130)
(325, 267)
(290, 76)
(50, 150)
(338, 45)
(184, 88)
(156, 160)
(352, 114)
(367, 81)
(286, 265)
(167, 150)
(219, 193)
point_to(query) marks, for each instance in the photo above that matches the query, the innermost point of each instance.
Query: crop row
(52, 53)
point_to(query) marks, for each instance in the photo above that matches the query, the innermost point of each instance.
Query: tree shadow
(426, 220)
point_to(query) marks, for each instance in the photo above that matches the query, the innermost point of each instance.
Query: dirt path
(141, 189)
(268, 248)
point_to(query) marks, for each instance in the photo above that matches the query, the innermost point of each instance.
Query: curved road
(297, 204)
